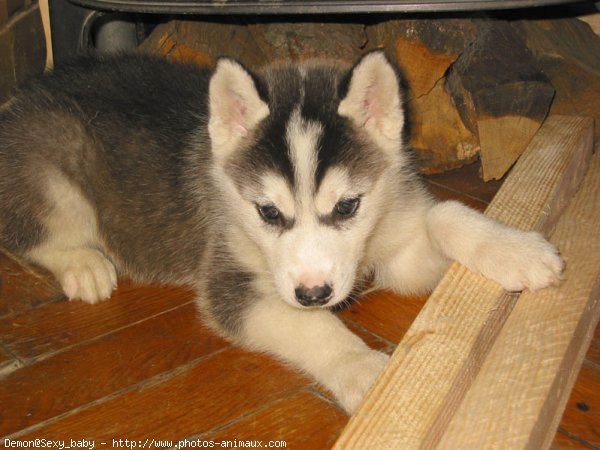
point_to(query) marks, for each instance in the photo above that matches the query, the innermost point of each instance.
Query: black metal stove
(72, 20)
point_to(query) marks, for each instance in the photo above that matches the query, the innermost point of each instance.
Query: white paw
(355, 375)
(86, 274)
(521, 260)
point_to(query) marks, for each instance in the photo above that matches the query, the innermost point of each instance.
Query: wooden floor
(141, 366)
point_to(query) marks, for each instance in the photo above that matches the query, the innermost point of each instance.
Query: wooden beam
(429, 374)
(521, 391)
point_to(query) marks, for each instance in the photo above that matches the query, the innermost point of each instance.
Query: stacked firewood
(478, 87)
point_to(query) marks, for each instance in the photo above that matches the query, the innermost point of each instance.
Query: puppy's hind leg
(71, 248)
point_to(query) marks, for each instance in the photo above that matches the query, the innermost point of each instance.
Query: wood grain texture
(500, 94)
(53, 327)
(385, 313)
(89, 372)
(186, 403)
(441, 193)
(439, 134)
(498, 155)
(593, 355)
(292, 419)
(547, 175)
(425, 51)
(4, 357)
(371, 339)
(430, 372)
(23, 287)
(467, 181)
(563, 441)
(519, 395)
(9, 364)
(582, 413)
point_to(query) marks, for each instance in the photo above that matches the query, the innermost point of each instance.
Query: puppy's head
(305, 155)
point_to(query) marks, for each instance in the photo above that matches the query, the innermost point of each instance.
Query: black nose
(314, 296)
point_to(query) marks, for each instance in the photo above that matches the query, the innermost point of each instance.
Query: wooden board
(23, 287)
(114, 362)
(519, 395)
(183, 402)
(45, 13)
(581, 418)
(53, 327)
(293, 420)
(416, 396)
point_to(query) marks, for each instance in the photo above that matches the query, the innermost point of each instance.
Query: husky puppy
(274, 194)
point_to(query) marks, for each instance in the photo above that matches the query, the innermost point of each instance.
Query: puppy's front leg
(317, 342)
(514, 258)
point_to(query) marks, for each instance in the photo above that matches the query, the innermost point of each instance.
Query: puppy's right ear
(373, 100)
(235, 106)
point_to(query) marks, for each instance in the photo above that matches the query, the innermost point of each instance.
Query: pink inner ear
(372, 106)
(237, 114)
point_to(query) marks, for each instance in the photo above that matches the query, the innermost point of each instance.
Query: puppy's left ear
(373, 100)
(235, 106)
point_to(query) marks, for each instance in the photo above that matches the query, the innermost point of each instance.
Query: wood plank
(498, 155)
(582, 413)
(430, 372)
(441, 193)
(521, 390)
(565, 442)
(4, 357)
(384, 313)
(53, 327)
(593, 355)
(45, 13)
(302, 420)
(87, 373)
(8, 364)
(212, 392)
(466, 181)
(23, 287)
(371, 339)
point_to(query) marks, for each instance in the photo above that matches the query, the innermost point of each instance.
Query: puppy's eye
(269, 213)
(347, 207)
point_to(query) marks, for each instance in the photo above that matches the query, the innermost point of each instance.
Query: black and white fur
(274, 194)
